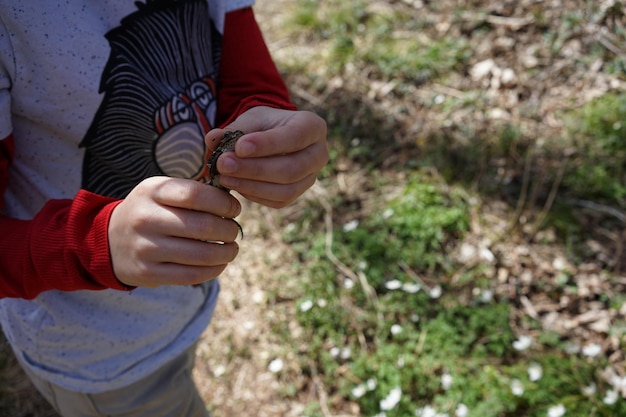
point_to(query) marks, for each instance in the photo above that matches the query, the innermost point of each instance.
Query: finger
(299, 131)
(193, 275)
(197, 253)
(282, 169)
(197, 225)
(213, 138)
(193, 195)
(190, 252)
(163, 274)
(270, 194)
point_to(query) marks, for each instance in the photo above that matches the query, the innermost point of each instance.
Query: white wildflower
(351, 226)
(219, 370)
(486, 296)
(387, 213)
(346, 353)
(535, 372)
(258, 297)
(358, 391)
(559, 264)
(446, 381)
(619, 383)
(461, 410)
(435, 292)
(411, 287)
(571, 348)
(276, 365)
(400, 362)
(334, 351)
(517, 387)
(522, 343)
(610, 397)
(306, 306)
(483, 69)
(393, 284)
(590, 389)
(391, 400)
(322, 302)
(348, 284)
(371, 384)
(415, 317)
(556, 411)
(592, 350)
(486, 255)
(427, 411)
(396, 329)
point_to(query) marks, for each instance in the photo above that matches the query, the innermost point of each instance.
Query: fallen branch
(600, 208)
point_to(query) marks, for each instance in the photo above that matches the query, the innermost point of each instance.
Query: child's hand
(171, 231)
(279, 157)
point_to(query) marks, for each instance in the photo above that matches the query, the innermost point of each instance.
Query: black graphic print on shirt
(159, 98)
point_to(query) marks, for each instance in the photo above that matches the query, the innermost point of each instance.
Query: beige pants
(168, 392)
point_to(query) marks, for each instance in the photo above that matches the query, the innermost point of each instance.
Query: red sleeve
(248, 76)
(64, 247)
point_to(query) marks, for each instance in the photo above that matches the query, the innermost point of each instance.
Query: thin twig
(407, 270)
(370, 293)
(521, 202)
(514, 23)
(528, 307)
(321, 392)
(600, 208)
(550, 201)
(618, 238)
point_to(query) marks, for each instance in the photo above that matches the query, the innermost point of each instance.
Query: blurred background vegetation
(464, 256)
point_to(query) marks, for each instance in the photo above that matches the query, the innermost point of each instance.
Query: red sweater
(65, 246)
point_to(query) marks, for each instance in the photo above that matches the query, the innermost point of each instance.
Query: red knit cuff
(100, 265)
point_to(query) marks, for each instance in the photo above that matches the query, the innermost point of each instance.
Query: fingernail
(236, 207)
(246, 148)
(227, 165)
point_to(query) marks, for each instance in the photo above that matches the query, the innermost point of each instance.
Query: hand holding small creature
(171, 231)
(277, 159)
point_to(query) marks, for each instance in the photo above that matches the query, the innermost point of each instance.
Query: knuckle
(321, 123)
(290, 192)
(188, 191)
(142, 217)
(143, 251)
(291, 173)
(143, 273)
(200, 275)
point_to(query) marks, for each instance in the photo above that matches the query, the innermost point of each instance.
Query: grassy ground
(462, 254)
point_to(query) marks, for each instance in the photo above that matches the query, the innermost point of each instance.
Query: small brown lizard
(227, 144)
